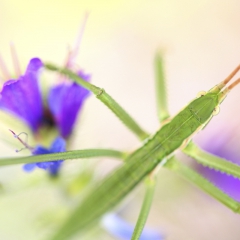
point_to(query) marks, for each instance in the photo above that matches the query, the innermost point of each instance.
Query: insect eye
(216, 110)
(200, 94)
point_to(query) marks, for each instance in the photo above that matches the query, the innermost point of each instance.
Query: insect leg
(161, 95)
(104, 97)
(194, 177)
(163, 116)
(211, 160)
(146, 205)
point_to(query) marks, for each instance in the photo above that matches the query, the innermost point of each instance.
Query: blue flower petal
(58, 145)
(22, 97)
(40, 150)
(29, 167)
(122, 230)
(65, 101)
(54, 168)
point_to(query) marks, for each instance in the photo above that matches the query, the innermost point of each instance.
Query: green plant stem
(88, 153)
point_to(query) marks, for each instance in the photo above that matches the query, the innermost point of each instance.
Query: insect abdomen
(169, 138)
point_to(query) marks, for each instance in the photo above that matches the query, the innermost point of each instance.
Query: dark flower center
(48, 119)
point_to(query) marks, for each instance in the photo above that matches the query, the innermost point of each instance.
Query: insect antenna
(224, 93)
(222, 84)
(24, 143)
(231, 75)
(233, 84)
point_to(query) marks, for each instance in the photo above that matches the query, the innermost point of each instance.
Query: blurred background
(200, 40)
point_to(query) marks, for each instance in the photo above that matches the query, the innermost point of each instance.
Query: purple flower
(65, 100)
(222, 144)
(22, 98)
(122, 230)
(59, 145)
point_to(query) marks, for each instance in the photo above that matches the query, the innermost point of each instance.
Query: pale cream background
(201, 42)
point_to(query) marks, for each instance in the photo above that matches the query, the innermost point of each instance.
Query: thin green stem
(88, 153)
(161, 95)
(147, 202)
(211, 161)
(105, 98)
(194, 177)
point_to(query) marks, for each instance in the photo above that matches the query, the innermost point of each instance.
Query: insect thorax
(203, 107)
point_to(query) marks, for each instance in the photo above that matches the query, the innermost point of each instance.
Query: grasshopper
(159, 149)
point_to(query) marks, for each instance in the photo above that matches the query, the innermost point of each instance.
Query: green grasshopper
(158, 150)
(176, 133)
